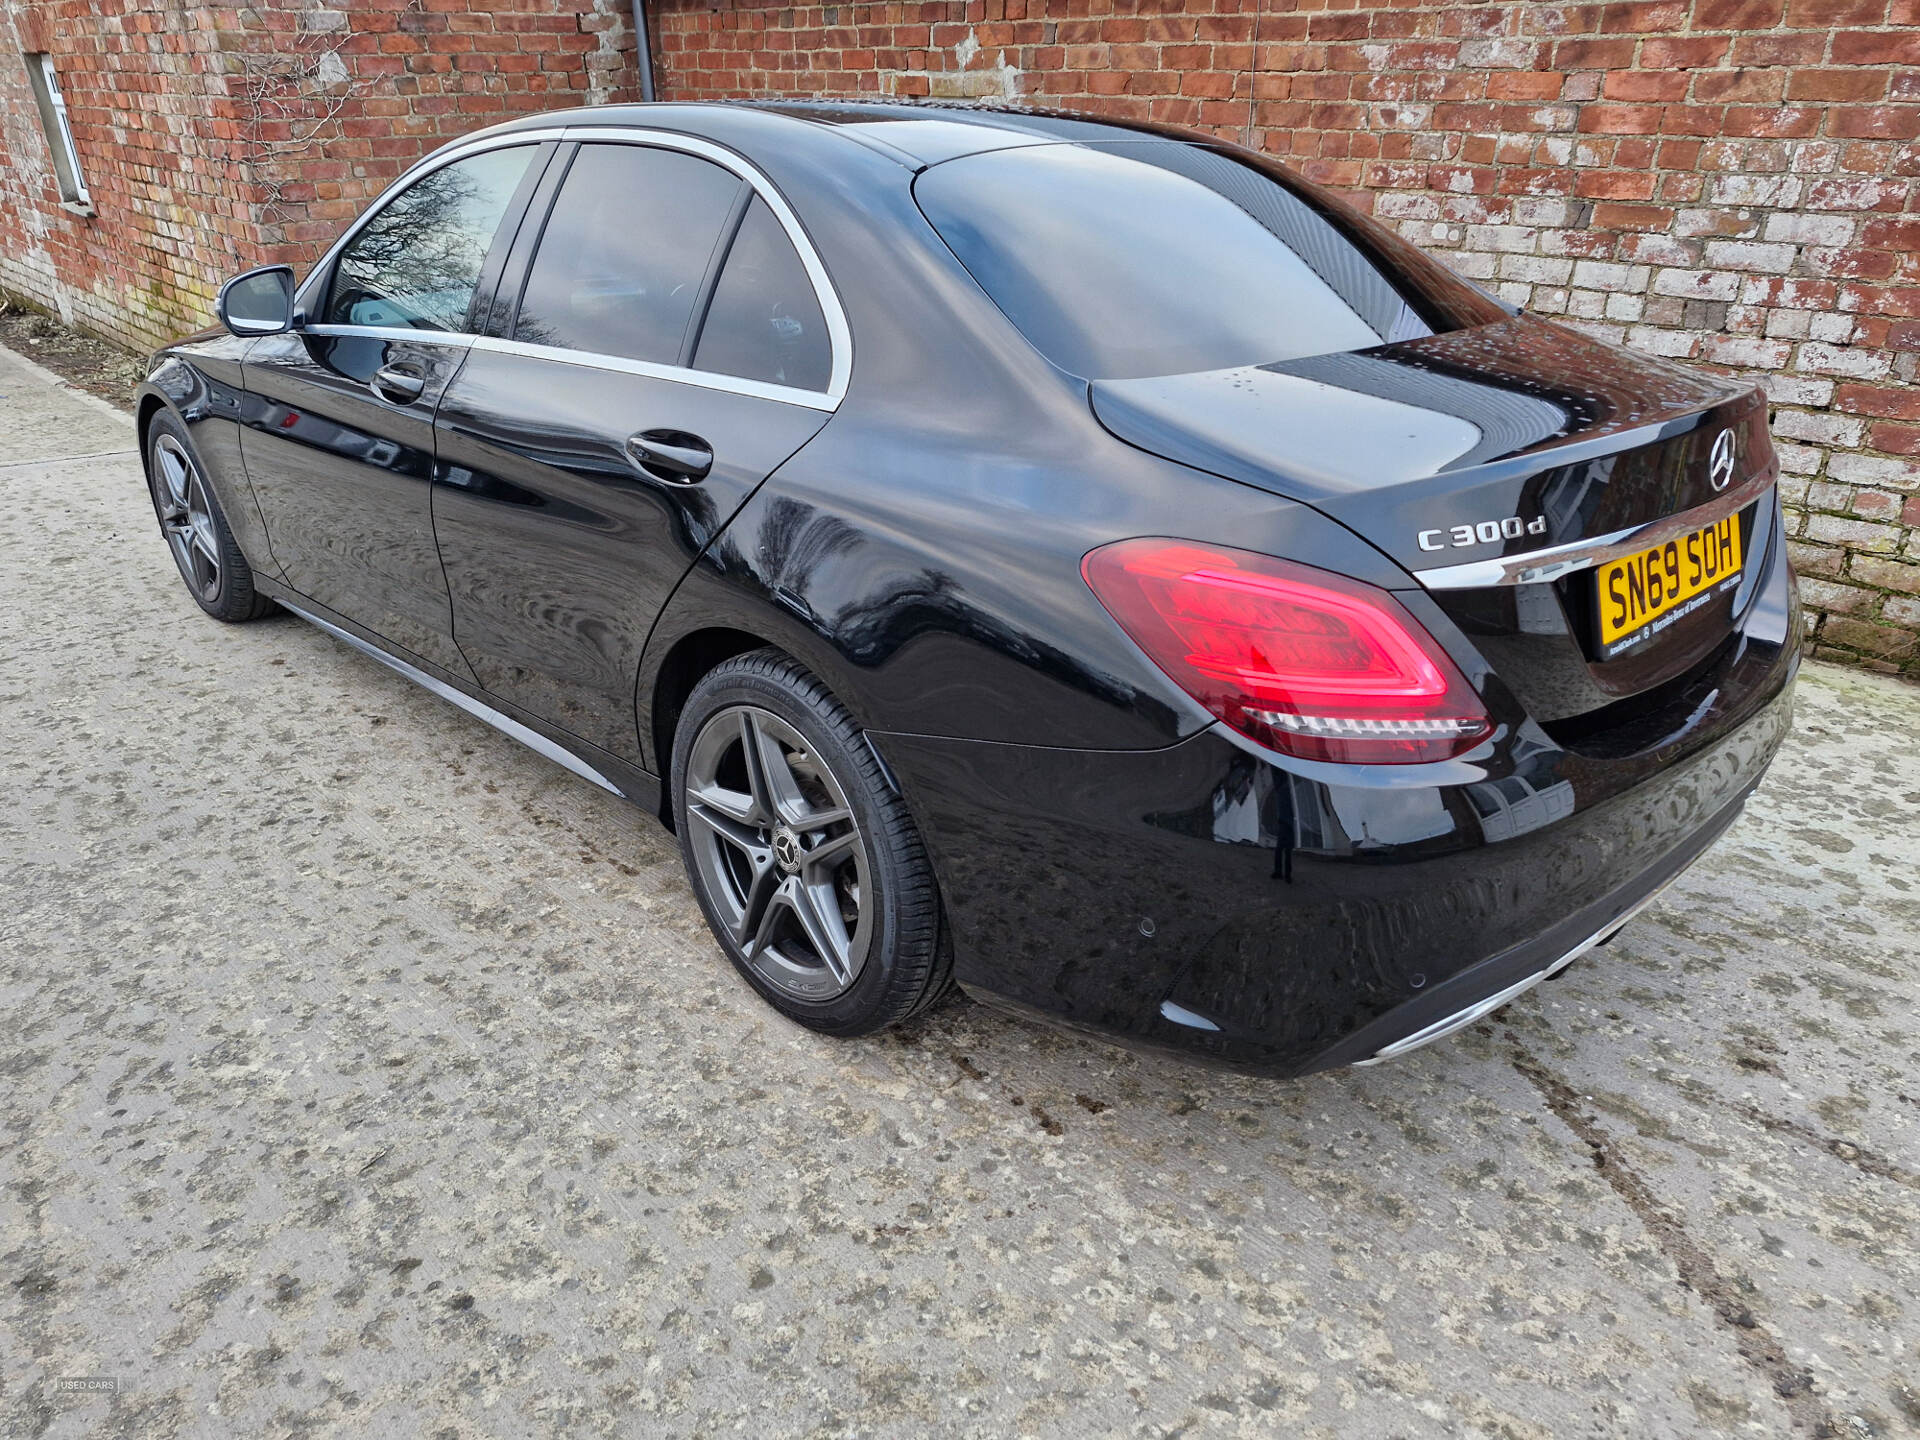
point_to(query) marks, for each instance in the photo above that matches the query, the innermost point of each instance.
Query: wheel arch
(148, 403)
(209, 411)
(687, 661)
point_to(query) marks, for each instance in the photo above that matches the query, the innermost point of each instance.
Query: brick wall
(1730, 182)
(215, 137)
(341, 99)
(153, 141)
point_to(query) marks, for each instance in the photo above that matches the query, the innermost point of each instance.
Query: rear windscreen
(1156, 257)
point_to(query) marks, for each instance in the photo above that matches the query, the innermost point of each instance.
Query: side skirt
(589, 762)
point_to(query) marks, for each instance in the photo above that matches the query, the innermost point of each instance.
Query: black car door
(339, 434)
(669, 348)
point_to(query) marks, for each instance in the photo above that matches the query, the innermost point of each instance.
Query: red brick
(1876, 47)
(1614, 53)
(1615, 185)
(1711, 85)
(1786, 121)
(1646, 85)
(1838, 84)
(1612, 19)
(1523, 85)
(1826, 14)
(1737, 14)
(1632, 217)
(1884, 122)
(1882, 234)
(1896, 301)
(1894, 439)
(1620, 119)
(1779, 49)
(1890, 404)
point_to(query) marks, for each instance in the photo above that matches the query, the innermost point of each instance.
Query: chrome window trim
(705, 379)
(839, 335)
(1537, 566)
(454, 339)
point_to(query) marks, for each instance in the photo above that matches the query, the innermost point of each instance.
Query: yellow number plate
(1643, 594)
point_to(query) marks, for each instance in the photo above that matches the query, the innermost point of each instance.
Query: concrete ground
(368, 1074)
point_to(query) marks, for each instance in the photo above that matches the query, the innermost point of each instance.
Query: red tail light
(1307, 662)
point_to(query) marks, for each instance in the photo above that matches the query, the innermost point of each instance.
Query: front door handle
(672, 455)
(398, 384)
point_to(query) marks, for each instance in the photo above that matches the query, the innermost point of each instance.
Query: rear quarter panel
(922, 553)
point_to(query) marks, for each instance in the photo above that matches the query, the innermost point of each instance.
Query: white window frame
(74, 194)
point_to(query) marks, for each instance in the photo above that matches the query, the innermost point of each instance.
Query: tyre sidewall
(233, 597)
(896, 925)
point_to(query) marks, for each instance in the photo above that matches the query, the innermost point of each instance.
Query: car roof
(916, 134)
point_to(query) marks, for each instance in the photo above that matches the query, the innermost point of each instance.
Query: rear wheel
(806, 863)
(208, 557)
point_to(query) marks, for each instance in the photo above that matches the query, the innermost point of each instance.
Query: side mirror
(259, 302)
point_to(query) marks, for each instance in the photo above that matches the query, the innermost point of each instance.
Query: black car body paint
(1110, 856)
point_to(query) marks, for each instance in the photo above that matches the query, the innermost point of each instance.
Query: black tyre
(806, 863)
(216, 573)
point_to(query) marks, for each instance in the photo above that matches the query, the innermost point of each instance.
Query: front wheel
(805, 862)
(208, 557)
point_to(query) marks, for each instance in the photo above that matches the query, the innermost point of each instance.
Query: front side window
(417, 263)
(625, 252)
(764, 322)
(1162, 258)
(59, 131)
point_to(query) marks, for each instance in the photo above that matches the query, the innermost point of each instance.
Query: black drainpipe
(642, 49)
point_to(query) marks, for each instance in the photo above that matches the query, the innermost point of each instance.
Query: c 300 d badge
(1485, 532)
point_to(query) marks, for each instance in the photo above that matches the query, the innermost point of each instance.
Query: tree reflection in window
(416, 264)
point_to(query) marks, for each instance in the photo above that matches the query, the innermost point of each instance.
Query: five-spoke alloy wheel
(217, 574)
(805, 861)
(186, 517)
(778, 852)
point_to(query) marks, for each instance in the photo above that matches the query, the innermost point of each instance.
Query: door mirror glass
(259, 302)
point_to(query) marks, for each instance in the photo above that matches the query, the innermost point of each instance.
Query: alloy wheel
(186, 517)
(778, 851)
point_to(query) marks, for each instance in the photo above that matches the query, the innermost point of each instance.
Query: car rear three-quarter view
(1081, 562)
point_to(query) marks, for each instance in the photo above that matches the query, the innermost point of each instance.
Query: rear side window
(416, 263)
(625, 251)
(765, 321)
(1160, 258)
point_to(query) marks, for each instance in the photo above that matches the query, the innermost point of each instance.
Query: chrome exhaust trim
(1480, 1009)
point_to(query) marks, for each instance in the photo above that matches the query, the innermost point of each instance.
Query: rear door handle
(400, 385)
(672, 455)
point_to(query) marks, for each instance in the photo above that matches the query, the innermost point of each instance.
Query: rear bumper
(1481, 989)
(1235, 907)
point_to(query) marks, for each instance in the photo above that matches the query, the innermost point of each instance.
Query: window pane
(53, 120)
(1159, 258)
(765, 321)
(625, 251)
(417, 262)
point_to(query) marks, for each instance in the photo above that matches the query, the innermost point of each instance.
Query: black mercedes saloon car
(1080, 562)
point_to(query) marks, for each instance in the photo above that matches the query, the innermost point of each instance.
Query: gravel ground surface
(97, 366)
(368, 1074)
